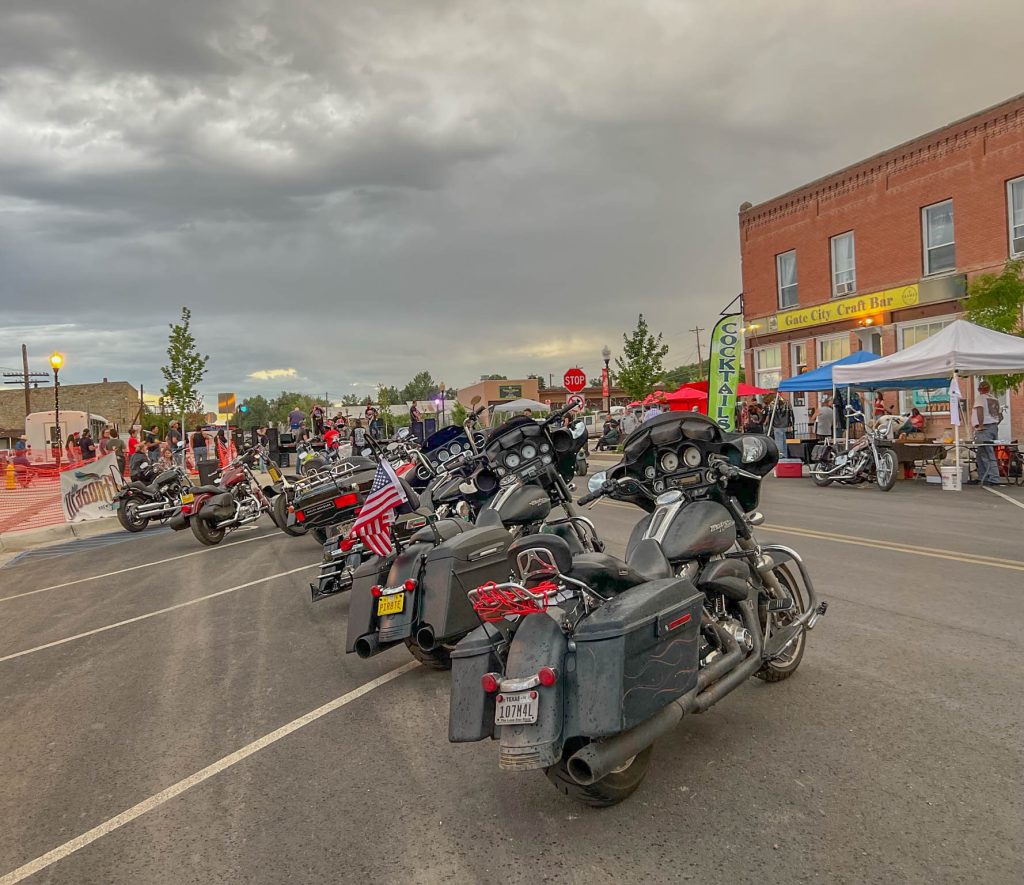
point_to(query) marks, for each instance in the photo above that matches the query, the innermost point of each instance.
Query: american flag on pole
(373, 522)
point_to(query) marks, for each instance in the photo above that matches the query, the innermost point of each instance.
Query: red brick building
(877, 255)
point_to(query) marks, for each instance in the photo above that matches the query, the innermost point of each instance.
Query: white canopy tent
(962, 348)
(518, 405)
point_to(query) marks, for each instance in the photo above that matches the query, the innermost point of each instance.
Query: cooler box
(789, 468)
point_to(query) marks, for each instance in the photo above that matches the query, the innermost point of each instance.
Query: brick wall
(117, 401)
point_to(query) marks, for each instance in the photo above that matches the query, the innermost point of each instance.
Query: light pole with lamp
(441, 390)
(56, 362)
(606, 355)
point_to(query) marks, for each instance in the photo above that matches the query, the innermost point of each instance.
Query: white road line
(1004, 496)
(162, 611)
(133, 568)
(193, 780)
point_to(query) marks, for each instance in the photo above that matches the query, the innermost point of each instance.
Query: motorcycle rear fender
(408, 564)
(539, 642)
(362, 604)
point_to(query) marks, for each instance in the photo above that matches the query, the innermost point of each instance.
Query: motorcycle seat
(551, 549)
(166, 477)
(649, 560)
(604, 574)
(488, 517)
(202, 490)
(444, 529)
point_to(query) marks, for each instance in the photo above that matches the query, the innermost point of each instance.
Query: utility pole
(700, 362)
(25, 377)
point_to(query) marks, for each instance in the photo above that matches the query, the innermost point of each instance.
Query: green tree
(257, 413)
(995, 301)
(494, 377)
(456, 414)
(392, 394)
(386, 397)
(682, 375)
(350, 399)
(642, 360)
(422, 387)
(185, 368)
(282, 404)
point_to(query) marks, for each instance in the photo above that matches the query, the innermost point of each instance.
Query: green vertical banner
(725, 364)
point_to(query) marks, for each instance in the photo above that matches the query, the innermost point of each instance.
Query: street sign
(574, 380)
(211, 417)
(226, 403)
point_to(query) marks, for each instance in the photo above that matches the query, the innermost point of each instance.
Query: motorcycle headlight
(754, 448)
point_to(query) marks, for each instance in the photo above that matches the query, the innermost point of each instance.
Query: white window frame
(1015, 229)
(793, 364)
(778, 280)
(760, 370)
(905, 396)
(926, 249)
(846, 287)
(827, 339)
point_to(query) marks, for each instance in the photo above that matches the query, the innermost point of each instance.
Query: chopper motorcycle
(151, 495)
(871, 458)
(235, 500)
(584, 660)
(419, 594)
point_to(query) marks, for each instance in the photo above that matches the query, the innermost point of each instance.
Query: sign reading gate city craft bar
(852, 308)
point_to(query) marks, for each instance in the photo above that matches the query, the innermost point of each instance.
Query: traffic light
(243, 408)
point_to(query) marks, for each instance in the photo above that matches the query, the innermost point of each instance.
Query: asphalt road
(162, 720)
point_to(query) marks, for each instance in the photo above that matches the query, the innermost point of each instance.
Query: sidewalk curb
(29, 539)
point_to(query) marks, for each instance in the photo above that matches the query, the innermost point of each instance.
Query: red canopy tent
(686, 398)
(742, 390)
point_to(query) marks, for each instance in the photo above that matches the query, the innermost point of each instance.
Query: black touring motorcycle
(418, 595)
(584, 660)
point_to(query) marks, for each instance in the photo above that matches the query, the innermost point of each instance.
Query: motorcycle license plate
(187, 498)
(114, 505)
(516, 709)
(275, 474)
(391, 605)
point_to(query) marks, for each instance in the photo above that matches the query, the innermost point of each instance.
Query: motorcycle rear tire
(826, 462)
(776, 671)
(439, 658)
(320, 534)
(205, 533)
(611, 789)
(124, 512)
(279, 513)
(886, 478)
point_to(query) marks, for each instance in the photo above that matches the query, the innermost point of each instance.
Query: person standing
(782, 424)
(824, 419)
(628, 423)
(296, 418)
(985, 417)
(152, 443)
(87, 446)
(880, 409)
(116, 445)
(172, 439)
(198, 444)
(101, 449)
(316, 417)
(358, 437)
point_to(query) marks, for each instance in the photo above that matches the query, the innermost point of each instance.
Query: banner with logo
(87, 490)
(725, 364)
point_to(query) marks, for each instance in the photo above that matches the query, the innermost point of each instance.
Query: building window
(768, 366)
(937, 233)
(785, 274)
(832, 349)
(799, 357)
(1015, 203)
(927, 401)
(844, 273)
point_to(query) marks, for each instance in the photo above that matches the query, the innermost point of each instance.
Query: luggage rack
(307, 484)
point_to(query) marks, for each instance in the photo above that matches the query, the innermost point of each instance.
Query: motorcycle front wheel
(785, 666)
(611, 789)
(128, 516)
(205, 533)
(825, 463)
(885, 471)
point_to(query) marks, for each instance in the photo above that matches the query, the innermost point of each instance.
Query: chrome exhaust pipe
(425, 638)
(367, 646)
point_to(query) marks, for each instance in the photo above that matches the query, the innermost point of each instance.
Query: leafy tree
(422, 387)
(494, 377)
(256, 414)
(185, 368)
(995, 301)
(282, 404)
(682, 375)
(641, 364)
(350, 399)
(392, 394)
(457, 413)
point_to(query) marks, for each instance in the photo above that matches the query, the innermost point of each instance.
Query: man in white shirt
(628, 423)
(985, 417)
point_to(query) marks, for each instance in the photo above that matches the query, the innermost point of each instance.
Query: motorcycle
(418, 595)
(871, 458)
(235, 500)
(583, 660)
(150, 496)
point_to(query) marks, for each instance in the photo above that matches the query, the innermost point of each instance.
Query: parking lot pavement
(893, 755)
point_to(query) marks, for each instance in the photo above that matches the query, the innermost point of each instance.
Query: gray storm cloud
(356, 191)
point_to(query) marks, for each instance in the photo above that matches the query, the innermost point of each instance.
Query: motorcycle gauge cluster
(529, 452)
(691, 456)
(670, 462)
(512, 460)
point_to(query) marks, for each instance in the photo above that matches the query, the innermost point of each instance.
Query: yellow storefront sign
(853, 308)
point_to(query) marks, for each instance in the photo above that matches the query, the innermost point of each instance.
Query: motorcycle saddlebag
(454, 568)
(634, 655)
(217, 507)
(471, 709)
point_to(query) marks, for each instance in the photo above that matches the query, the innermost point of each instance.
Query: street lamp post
(57, 361)
(606, 382)
(441, 389)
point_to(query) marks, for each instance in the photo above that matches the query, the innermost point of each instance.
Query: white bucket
(950, 479)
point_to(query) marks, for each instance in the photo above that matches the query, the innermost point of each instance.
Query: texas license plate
(391, 605)
(187, 498)
(516, 709)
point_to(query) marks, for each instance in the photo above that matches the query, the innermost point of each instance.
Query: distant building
(117, 401)
(492, 393)
(877, 255)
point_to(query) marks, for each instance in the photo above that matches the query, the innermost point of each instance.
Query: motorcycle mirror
(596, 481)
(475, 400)
(467, 488)
(756, 518)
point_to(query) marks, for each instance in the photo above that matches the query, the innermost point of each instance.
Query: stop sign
(574, 380)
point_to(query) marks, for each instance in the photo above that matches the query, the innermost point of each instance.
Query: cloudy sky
(348, 192)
